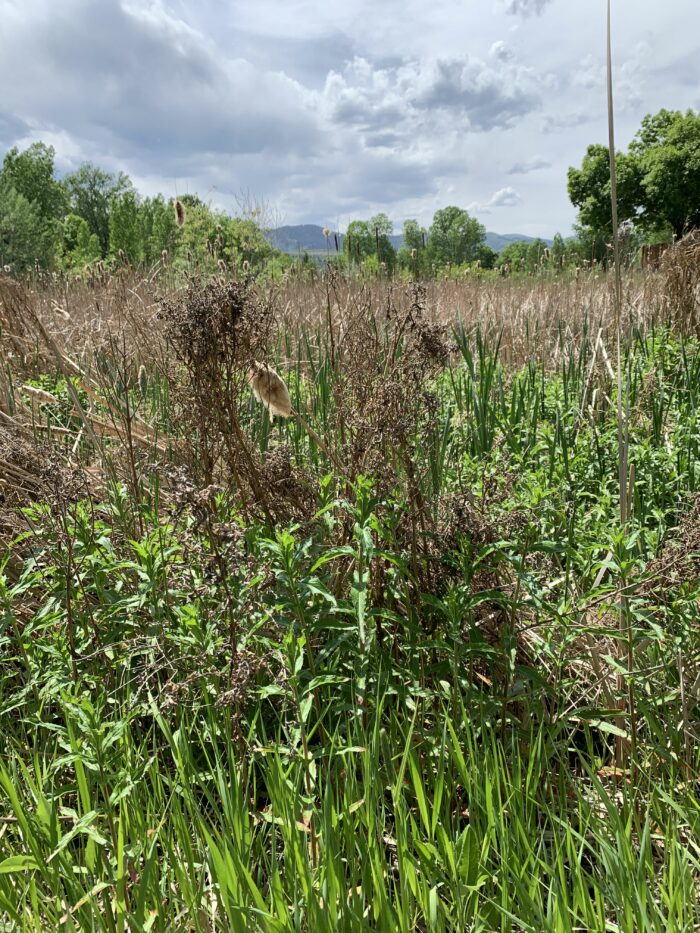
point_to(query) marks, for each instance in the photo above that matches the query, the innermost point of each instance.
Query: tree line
(92, 216)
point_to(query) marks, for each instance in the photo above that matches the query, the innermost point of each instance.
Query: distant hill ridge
(297, 238)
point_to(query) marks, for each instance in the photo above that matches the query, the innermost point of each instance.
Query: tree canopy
(658, 179)
(455, 237)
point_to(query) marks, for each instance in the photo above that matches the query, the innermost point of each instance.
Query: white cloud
(505, 197)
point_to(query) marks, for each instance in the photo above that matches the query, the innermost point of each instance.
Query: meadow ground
(391, 663)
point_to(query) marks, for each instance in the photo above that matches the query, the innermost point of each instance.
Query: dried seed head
(39, 395)
(143, 380)
(269, 389)
(326, 232)
(179, 213)
(61, 312)
(414, 253)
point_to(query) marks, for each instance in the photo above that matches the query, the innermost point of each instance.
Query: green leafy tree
(370, 238)
(667, 152)
(454, 236)
(413, 253)
(358, 241)
(25, 237)
(92, 193)
(589, 189)
(160, 228)
(559, 250)
(658, 181)
(382, 228)
(486, 256)
(31, 174)
(127, 228)
(523, 255)
(79, 246)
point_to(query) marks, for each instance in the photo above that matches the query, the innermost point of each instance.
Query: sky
(325, 112)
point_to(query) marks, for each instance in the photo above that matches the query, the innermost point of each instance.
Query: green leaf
(18, 863)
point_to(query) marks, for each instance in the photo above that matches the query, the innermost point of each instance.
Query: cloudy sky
(329, 111)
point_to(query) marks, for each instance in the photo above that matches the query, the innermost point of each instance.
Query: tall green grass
(376, 755)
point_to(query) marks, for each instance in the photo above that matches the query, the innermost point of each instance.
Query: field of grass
(392, 663)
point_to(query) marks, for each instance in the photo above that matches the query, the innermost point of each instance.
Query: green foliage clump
(658, 181)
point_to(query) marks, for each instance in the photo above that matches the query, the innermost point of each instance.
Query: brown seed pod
(180, 213)
(269, 389)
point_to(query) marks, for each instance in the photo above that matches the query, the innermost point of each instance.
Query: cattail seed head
(143, 380)
(414, 253)
(61, 312)
(39, 395)
(179, 213)
(268, 388)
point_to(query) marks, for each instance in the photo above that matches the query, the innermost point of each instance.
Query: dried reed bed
(540, 317)
(534, 317)
(109, 330)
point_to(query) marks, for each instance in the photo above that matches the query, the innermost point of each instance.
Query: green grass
(378, 753)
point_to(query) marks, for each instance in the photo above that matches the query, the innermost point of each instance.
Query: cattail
(61, 312)
(414, 253)
(164, 257)
(179, 213)
(269, 389)
(39, 395)
(143, 380)
(222, 266)
(246, 265)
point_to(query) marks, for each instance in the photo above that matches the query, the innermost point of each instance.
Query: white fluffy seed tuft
(269, 389)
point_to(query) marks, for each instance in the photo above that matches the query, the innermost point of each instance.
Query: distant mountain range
(299, 238)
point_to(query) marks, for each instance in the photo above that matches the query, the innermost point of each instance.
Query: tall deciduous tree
(126, 227)
(658, 179)
(25, 237)
(589, 188)
(79, 247)
(381, 229)
(667, 149)
(455, 236)
(92, 193)
(31, 173)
